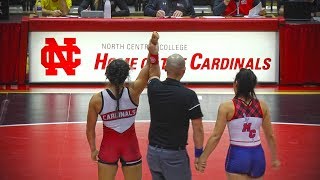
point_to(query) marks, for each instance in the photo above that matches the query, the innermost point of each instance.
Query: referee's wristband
(198, 152)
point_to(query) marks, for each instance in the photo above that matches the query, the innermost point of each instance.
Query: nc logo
(66, 62)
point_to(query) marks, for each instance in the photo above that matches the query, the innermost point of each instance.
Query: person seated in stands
(280, 7)
(98, 5)
(55, 8)
(229, 7)
(169, 8)
(316, 7)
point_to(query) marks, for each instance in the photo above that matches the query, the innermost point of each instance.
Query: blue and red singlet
(245, 154)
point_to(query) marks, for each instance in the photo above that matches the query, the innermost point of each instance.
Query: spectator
(99, 5)
(316, 7)
(229, 8)
(55, 8)
(169, 8)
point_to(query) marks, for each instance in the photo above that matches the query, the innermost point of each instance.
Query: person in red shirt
(229, 7)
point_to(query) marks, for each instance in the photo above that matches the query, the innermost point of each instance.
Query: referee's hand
(200, 164)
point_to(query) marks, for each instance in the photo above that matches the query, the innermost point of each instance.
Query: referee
(172, 106)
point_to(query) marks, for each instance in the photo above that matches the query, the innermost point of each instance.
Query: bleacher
(202, 7)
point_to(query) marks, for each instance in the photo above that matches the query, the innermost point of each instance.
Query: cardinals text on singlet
(122, 119)
(119, 114)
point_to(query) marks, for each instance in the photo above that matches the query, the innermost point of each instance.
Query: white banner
(210, 56)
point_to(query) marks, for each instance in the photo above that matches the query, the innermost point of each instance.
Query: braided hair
(117, 72)
(246, 82)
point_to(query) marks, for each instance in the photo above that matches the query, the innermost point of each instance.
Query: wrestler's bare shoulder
(227, 105)
(96, 99)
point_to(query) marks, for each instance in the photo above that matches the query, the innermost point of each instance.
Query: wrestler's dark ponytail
(246, 82)
(117, 72)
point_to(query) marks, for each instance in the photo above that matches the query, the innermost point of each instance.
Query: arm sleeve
(69, 4)
(194, 109)
(218, 7)
(124, 10)
(43, 3)
(84, 5)
(152, 85)
(153, 82)
(150, 9)
(191, 11)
